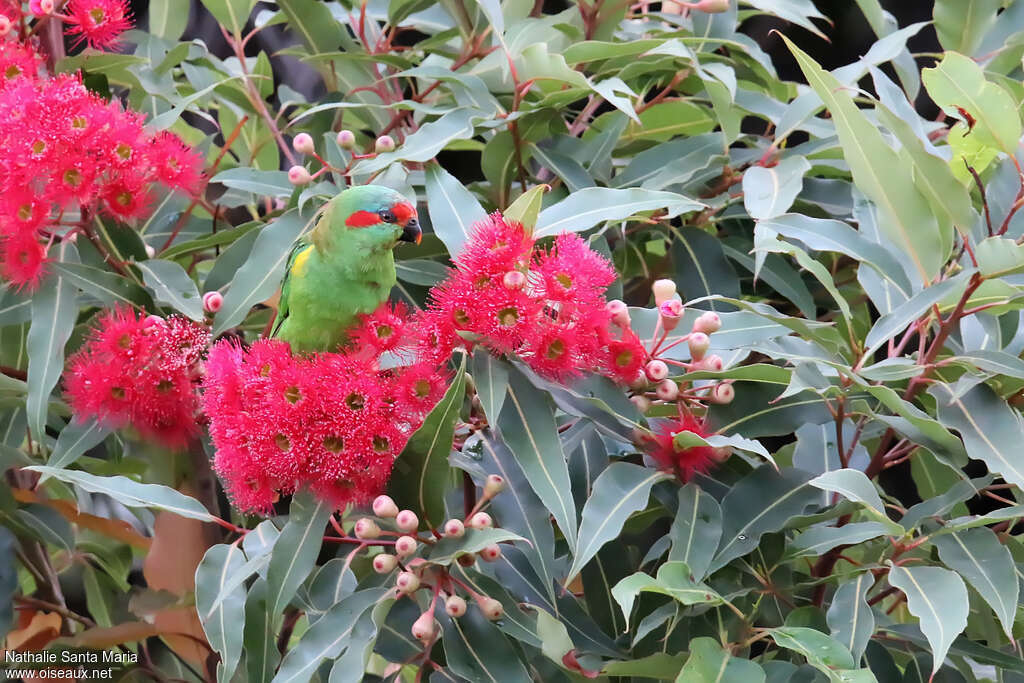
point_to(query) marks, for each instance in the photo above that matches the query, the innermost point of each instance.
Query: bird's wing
(295, 260)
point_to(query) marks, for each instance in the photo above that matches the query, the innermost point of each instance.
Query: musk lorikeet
(343, 267)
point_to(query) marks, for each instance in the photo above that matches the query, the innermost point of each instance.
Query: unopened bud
(303, 144)
(366, 528)
(619, 312)
(514, 279)
(642, 403)
(407, 582)
(712, 363)
(384, 506)
(466, 559)
(667, 390)
(711, 6)
(663, 291)
(454, 528)
(494, 485)
(152, 321)
(455, 606)
(491, 553)
(670, 312)
(491, 608)
(212, 301)
(722, 394)
(40, 8)
(298, 175)
(385, 143)
(721, 454)
(346, 139)
(384, 563)
(656, 370)
(639, 382)
(405, 545)
(425, 627)
(480, 520)
(698, 343)
(406, 520)
(708, 323)
(5, 25)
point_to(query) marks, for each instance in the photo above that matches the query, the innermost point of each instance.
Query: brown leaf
(36, 631)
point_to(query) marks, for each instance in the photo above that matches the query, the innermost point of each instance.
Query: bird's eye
(386, 216)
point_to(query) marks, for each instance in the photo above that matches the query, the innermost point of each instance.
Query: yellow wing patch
(299, 264)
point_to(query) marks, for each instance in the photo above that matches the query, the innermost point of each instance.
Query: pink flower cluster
(331, 423)
(545, 305)
(68, 152)
(140, 371)
(100, 23)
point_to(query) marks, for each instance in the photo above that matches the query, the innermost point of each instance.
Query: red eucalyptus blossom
(98, 22)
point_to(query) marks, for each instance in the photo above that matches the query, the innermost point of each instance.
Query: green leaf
(961, 24)
(296, 550)
(701, 269)
(999, 256)
(108, 287)
(448, 549)
(172, 286)
(849, 617)
(527, 425)
(425, 143)
(313, 22)
(46, 524)
(959, 82)
(75, 439)
(821, 651)
(709, 663)
(696, 530)
(166, 19)
(526, 207)
(259, 641)
(231, 14)
(619, 491)
(53, 318)
(327, 637)
(260, 183)
(8, 579)
(770, 191)
(477, 651)
(855, 486)
(424, 459)
(453, 209)
(130, 493)
(660, 666)
(491, 377)
(938, 598)
(891, 324)
(820, 539)
(673, 579)
(224, 623)
(423, 272)
(262, 272)
(986, 564)
(904, 215)
(592, 205)
(800, 12)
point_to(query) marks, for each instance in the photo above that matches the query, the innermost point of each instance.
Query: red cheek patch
(362, 219)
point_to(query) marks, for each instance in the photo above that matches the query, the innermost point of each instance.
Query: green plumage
(337, 272)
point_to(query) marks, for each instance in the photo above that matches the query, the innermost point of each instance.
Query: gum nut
(656, 370)
(407, 582)
(667, 390)
(385, 143)
(639, 382)
(406, 520)
(455, 606)
(514, 279)
(494, 485)
(663, 291)
(466, 559)
(454, 528)
(366, 528)
(711, 6)
(384, 563)
(303, 144)
(383, 506)
(642, 403)
(491, 608)
(405, 546)
(619, 312)
(212, 301)
(298, 175)
(673, 308)
(5, 25)
(723, 394)
(150, 251)
(424, 627)
(708, 323)
(491, 553)
(346, 139)
(712, 363)
(152, 321)
(698, 343)
(721, 454)
(480, 520)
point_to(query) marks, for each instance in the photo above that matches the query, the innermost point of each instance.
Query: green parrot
(343, 267)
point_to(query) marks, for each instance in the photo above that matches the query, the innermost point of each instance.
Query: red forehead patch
(403, 212)
(361, 219)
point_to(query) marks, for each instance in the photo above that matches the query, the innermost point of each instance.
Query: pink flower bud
(722, 394)
(667, 390)
(212, 301)
(366, 528)
(493, 486)
(708, 323)
(480, 520)
(514, 279)
(698, 343)
(670, 312)
(491, 553)
(406, 520)
(405, 546)
(5, 25)
(454, 528)
(712, 363)
(303, 144)
(491, 608)
(619, 312)
(152, 321)
(639, 382)
(425, 627)
(656, 370)
(455, 606)
(642, 403)
(384, 563)
(298, 175)
(384, 506)
(346, 139)
(407, 582)
(40, 8)
(721, 454)
(711, 6)
(663, 291)
(385, 143)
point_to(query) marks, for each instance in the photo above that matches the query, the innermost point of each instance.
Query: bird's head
(371, 217)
